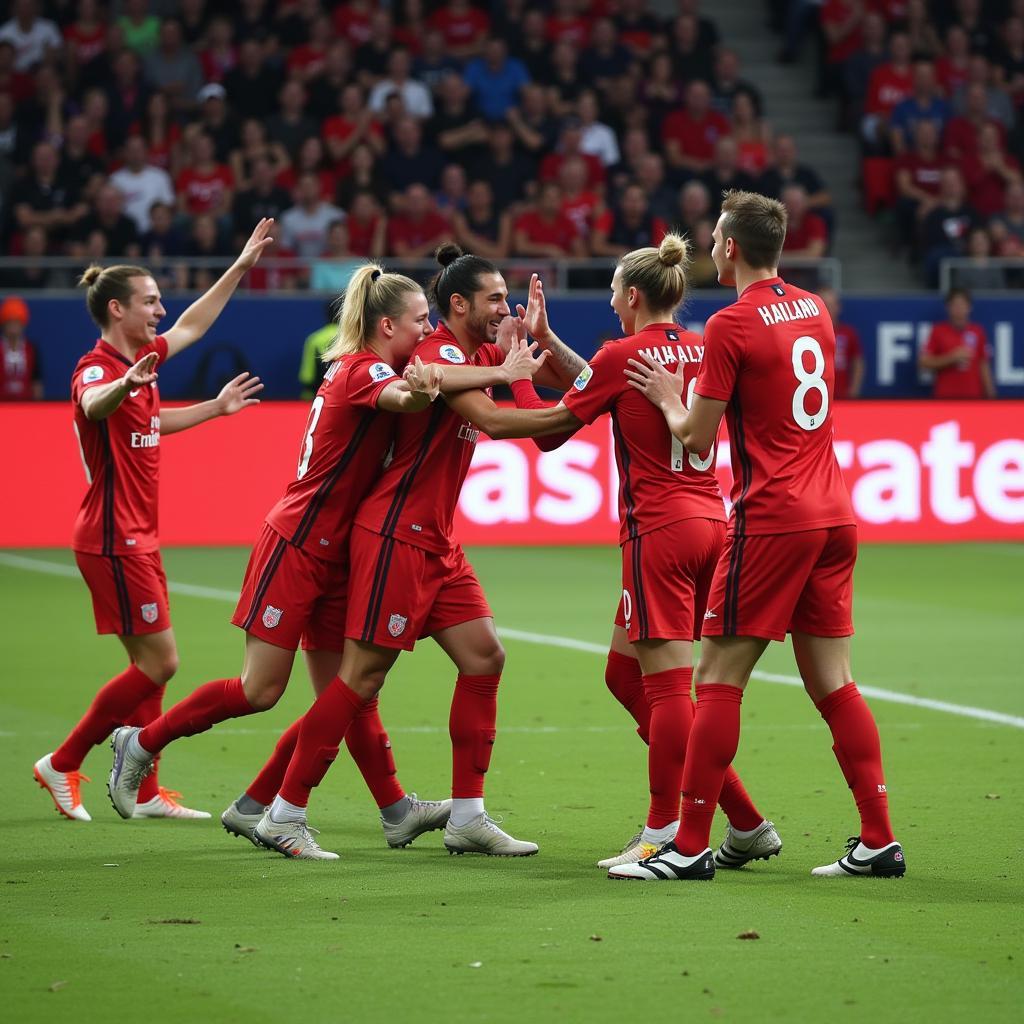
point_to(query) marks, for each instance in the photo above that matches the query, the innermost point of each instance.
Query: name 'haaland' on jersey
(140, 439)
(666, 354)
(791, 309)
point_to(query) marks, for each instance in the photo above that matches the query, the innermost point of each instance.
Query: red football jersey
(121, 456)
(19, 370)
(340, 457)
(961, 380)
(415, 498)
(771, 356)
(659, 481)
(848, 350)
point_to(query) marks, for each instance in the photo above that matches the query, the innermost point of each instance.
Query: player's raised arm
(697, 428)
(500, 423)
(565, 364)
(100, 401)
(199, 317)
(239, 393)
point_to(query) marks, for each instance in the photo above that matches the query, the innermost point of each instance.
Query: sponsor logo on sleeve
(381, 371)
(584, 378)
(92, 374)
(149, 613)
(451, 354)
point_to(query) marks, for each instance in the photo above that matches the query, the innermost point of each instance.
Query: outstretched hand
(511, 329)
(239, 393)
(522, 361)
(655, 381)
(143, 372)
(535, 315)
(258, 241)
(426, 380)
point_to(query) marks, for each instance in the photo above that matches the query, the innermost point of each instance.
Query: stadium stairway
(791, 108)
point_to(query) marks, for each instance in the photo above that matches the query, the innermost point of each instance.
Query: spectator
(859, 66)
(420, 229)
(707, 32)
(252, 85)
(219, 54)
(689, 135)
(434, 63)
(544, 230)
(1010, 59)
(29, 275)
(362, 177)
(352, 126)
(251, 20)
(217, 121)
(752, 134)
(480, 228)
(140, 28)
(410, 160)
(562, 78)
(997, 101)
(14, 140)
(126, 97)
(119, 232)
(925, 103)
(963, 132)
(325, 88)
(580, 203)
(638, 28)
(463, 27)
(890, 84)
(598, 139)
(849, 359)
(631, 225)
(141, 184)
(416, 98)
(570, 144)
(969, 17)
(457, 127)
(806, 233)
(352, 22)
(920, 28)
(953, 66)
(79, 167)
(206, 246)
(311, 159)
(693, 207)
(21, 375)
(650, 176)
(945, 229)
(567, 24)
(367, 226)
(918, 177)
(253, 145)
(262, 197)
(312, 367)
(336, 264)
(451, 196)
(495, 79)
(988, 171)
(162, 239)
(957, 353)
(309, 58)
(290, 126)
(304, 226)
(979, 274)
(693, 59)
(605, 59)
(161, 134)
(786, 169)
(725, 173)
(535, 128)
(34, 39)
(532, 47)
(42, 199)
(173, 68)
(85, 38)
(842, 25)
(195, 21)
(372, 56)
(727, 83)
(204, 186)
(1007, 227)
(508, 171)
(660, 90)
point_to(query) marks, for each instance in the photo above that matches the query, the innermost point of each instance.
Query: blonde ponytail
(658, 274)
(372, 293)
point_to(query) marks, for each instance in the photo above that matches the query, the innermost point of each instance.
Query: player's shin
(200, 710)
(714, 739)
(268, 783)
(471, 726)
(370, 748)
(148, 710)
(671, 710)
(624, 680)
(859, 752)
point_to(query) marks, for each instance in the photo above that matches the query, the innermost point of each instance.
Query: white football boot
(482, 835)
(736, 851)
(668, 865)
(291, 838)
(422, 816)
(237, 823)
(859, 860)
(635, 850)
(63, 787)
(127, 772)
(165, 805)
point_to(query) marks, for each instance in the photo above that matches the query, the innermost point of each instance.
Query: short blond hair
(758, 226)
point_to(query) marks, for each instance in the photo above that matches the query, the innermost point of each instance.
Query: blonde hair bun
(674, 250)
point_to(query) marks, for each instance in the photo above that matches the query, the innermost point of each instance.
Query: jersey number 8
(809, 382)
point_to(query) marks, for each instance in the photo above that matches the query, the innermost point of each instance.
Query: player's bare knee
(368, 684)
(159, 667)
(262, 696)
(490, 661)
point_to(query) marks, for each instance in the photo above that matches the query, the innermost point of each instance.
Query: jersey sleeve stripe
(264, 583)
(323, 492)
(380, 576)
(405, 485)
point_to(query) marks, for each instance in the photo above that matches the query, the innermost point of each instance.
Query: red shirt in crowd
(887, 86)
(696, 138)
(462, 29)
(986, 188)
(19, 370)
(799, 236)
(558, 231)
(360, 235)
(837, 12)
(848, 351)
(963, 379)
(961, 136)
(416, 233)
(340, 457)
(203, 190)
(121, 455)
(659, 481)
(924, 174)
(581, 209)
(85, 45)
(771, 357)
(352, 25)
(415, 497)
(569, 29)
(552, 164)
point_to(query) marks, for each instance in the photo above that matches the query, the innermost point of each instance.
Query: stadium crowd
(157, 130)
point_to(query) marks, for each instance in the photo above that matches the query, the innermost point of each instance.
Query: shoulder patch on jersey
(381, 371)
(451, 354)
(584, 378)
(92, 374)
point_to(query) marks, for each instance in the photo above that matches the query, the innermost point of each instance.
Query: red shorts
(769, 585)
(400, 593)
(289, 596)
(129, 592)
(666, 575)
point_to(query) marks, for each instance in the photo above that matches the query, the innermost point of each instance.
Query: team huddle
(358, 559)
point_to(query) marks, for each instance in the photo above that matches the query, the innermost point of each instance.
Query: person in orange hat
(21, 378)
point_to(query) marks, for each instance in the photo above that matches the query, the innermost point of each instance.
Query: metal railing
(981, 275)
(279, 275)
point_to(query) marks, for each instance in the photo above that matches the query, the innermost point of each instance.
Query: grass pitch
(176, 921)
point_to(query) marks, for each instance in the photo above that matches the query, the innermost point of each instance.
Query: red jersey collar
(768, 283)
(106, 347)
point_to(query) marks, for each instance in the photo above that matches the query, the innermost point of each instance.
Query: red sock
(267, 784)
(148, 710)
(713, 741)
(623, 677)
(736, 803)
(111, 707)
(321, 731)
(370, 748)
(668, 697)
(471, 725)
(859, 753)
(202, 708)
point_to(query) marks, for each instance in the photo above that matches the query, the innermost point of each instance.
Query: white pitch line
(40, 565)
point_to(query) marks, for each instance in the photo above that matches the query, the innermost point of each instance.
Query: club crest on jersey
(381, 371)
(149, 612)
(451, 354)
(396, 624)
(92, 374)
(272, 616)
(584, 378)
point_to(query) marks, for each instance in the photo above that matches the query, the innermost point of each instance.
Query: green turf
(88, 912)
